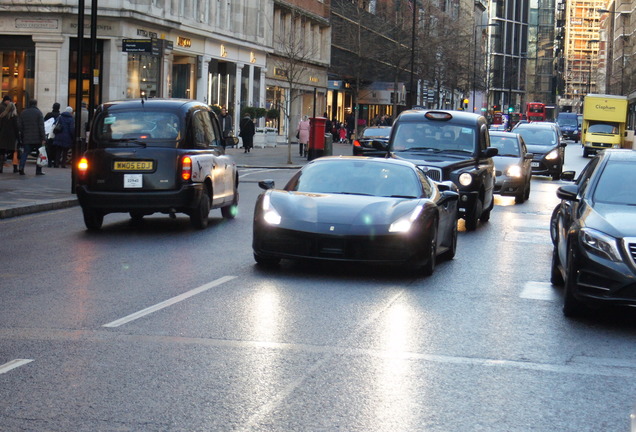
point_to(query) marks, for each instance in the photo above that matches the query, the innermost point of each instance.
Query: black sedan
(373, 210)
(595, 246)
(512, 165)
(544, 142)
(373, 141)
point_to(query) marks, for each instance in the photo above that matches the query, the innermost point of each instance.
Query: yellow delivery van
(604, 119)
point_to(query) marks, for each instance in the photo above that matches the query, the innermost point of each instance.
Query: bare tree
(293, 54)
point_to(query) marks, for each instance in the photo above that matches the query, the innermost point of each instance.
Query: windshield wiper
(430, 149)
(353, 193)
(402, 196)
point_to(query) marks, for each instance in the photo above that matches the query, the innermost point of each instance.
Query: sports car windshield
(442, 136)
(616, 184)
(122, 128)
(358, 178)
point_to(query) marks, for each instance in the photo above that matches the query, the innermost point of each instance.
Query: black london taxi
(156, 155)
(450, 146)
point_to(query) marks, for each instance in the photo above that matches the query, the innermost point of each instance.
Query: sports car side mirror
(528, 156)
(448, 196)
(266, 184)
(446, 186)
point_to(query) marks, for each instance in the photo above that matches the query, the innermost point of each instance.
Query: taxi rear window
(150, 128)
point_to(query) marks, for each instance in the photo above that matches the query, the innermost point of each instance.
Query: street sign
(150, 46)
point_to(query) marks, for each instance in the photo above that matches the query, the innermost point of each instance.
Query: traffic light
(511, 109)
(496, 108)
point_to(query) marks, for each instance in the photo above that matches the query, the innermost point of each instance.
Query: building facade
(214, 52)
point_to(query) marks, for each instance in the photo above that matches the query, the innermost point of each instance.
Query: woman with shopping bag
(63, 139)
(9, 134)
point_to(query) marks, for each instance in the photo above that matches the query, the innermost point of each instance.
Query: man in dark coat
(226, 128)
(248, 130)
(65, 138)
(32, 131)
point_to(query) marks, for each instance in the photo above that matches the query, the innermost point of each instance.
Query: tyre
(572, 306)
(586, 153)
(429, 267)
(520, 198)
(554, 229)
(266, 261)
(199, 216)
(556, 278)
(450, 253)
(472, 219)
(556, 176)
(527, 194)
(93, 218)
(230, 212)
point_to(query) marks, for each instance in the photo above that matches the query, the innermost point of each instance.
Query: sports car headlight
(552, 155)
(513, 171)
(405, 223)
(270, 215)
(465, 179)
(600, 244)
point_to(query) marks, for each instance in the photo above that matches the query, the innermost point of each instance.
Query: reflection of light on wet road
(394, 397)
(266, 314)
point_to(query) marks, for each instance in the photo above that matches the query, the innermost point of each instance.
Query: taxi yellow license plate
(134, 165)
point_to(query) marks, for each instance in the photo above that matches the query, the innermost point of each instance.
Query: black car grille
(604, 145)
(432, 173)
(630, 245)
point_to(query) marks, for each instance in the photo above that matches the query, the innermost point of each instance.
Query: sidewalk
(20, 195)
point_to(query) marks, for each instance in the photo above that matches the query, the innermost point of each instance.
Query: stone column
(202, 83)
(51, 70)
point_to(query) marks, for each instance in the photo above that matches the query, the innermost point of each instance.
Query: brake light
(186, 168)
(356, 143)
(82, 168)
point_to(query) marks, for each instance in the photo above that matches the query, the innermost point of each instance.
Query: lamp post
(475, 55)
(589, 71)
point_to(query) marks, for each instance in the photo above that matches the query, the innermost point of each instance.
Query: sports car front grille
(309, 245)
(431, 172)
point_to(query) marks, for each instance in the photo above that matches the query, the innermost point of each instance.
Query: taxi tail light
(186, 168)
(356, 143)
(82, 168)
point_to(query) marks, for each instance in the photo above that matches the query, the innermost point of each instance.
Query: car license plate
(534, 164)
(133, 180)
(134, 166)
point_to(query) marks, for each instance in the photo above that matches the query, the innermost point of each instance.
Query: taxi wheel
(199, 216)
(472, 219)
(230, 212)
(556, 278)
(136, 217)
(93, 219)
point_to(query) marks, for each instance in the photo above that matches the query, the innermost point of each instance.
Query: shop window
(17, 59)
(143, 76)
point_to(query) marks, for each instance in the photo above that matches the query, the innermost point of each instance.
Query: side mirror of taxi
(568, 192)
(490, 152)
(266, 184)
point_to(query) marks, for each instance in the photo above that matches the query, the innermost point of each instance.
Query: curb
(38, 207)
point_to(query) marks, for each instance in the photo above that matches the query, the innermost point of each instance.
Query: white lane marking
(252, 171)
(169, 302)
(539, 291)
(13, 364)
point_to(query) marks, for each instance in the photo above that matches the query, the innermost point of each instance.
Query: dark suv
(450, 145)
(156, 155)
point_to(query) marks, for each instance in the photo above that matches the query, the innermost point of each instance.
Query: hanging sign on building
(150, 46)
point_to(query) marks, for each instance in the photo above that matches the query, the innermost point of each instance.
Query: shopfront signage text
(36, 23)
(184, 42)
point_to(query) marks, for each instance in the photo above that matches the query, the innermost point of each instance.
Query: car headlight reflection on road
(405, 223)
(465, 179)
(270, 215)
(552, 155)
(600, 244)
(513, 171)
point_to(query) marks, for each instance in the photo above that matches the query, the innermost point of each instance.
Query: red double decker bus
(535, 111)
